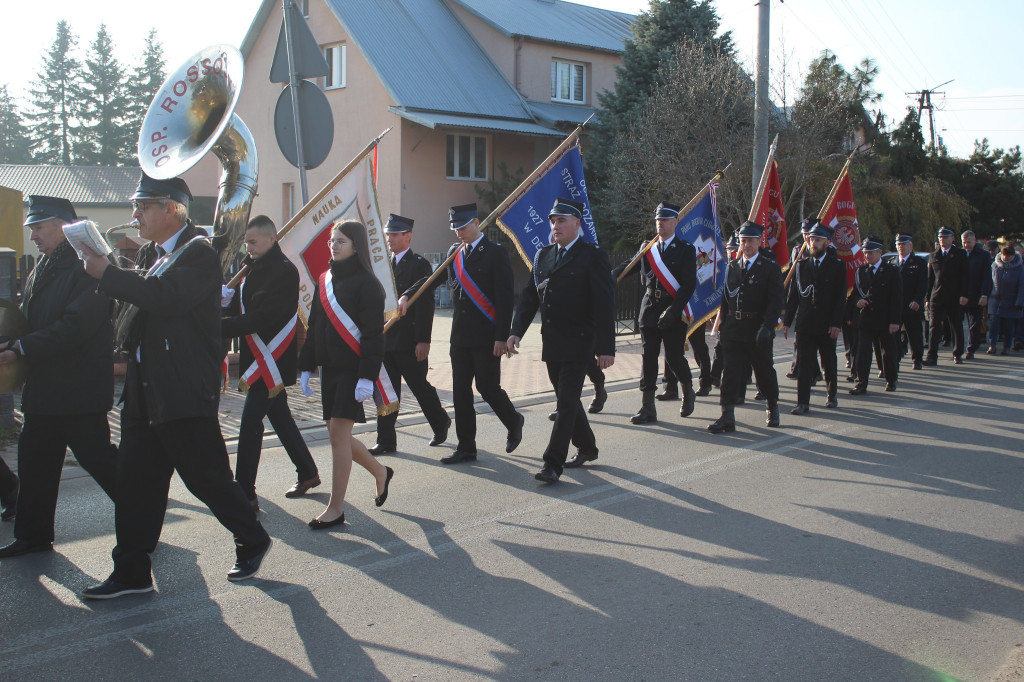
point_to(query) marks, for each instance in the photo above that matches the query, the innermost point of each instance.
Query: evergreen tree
(53, 95)
(145, 80)
(13, 134)
(103, 137)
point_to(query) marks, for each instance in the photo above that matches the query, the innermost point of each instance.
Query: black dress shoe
(317, 524)
(9, 502)
(759, 396)
(881, 374)
(851, 378)
(302, 487)
(580, 459)
(930, 362)
(688, 404)
(958, 360)
(703, 390)
(19, 547)
(772, 417)
(111, 589)
(800, 409)
(600, 398)
(969, 355)
(459, 456)
(515, 435)
(668, 394)
(547, 475)
(791, 375)
(917, 364)
(859, 390)
(890, 387)
(831, 402)
(248, 568)
(722, 425)
(552, 416)
(380, 449)
(440, 436)
(382, 498)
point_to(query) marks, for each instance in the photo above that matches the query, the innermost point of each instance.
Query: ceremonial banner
(840, 214)
(771, 214)
(700, 227)
(525, 219)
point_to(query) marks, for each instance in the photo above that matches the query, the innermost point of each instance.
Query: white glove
(364, 389)
(226, 295)
(304, 384)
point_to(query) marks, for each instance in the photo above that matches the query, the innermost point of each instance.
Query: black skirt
(338, 394)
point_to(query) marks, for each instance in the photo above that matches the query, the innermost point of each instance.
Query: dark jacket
(817, 295)
(270, 292)
(979, 274)
(70, 346)
(1007, 297)
(576, 301)
(914, 280)
(947, 276)
(415, 327)
(756, 295)
(360, 295)
(489, 267)
(178, 331)
(681, 260)
(884, 293)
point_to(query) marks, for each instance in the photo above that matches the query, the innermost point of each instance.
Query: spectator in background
(979, 285)
(1006, 302)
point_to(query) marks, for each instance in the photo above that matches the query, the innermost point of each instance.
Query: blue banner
(526, 219)
(700, 227)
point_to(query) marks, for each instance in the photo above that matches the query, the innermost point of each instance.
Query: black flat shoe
(379, 449)
(546, 475)
(580, 459)
(552, 416)
(459, 456)
(248, 568)
(383, 497)
(440, 436)
(19, 547)
(600, 398)
(800, 409)
(858, 391)
(317, 524)
(515, 435)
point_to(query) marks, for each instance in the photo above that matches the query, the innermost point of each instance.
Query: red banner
(841, 216)
(771, 214)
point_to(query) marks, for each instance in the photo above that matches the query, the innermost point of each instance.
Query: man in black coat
(914, 282)
(70, 385)
(947, 295)
(814, 308)
(407, 342)
(979, 286)
(573, 290)
(878, 301)
(750, 310)
(172, 391)
(668, 272)
(480, 278)
(265, 316)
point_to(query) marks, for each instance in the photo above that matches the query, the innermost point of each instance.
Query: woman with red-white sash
(345, 340)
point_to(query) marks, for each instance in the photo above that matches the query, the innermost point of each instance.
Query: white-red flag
(772, 215)
(840, 214)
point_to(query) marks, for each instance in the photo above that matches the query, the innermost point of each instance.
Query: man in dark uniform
(172, 390)
(732, 247)
(947, 294)
(979, 286)
(573, 289)
(914, 283)
(668, 272)
(407, 342)
(798, 253)
(878, 299)
(265, 316)
(70, 386)
(480, 278)
(750, 310)
(814, 308)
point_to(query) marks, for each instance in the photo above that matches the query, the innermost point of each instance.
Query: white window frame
(577, 71)
(475, 174)
(337, 60)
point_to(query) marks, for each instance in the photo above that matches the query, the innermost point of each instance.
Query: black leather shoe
(722, 425)
(248, 568)
(958, 360)
(552, 416)
(969, 355)
(546, 475)
(772, 417)
(515, 435)
(890, 387)
(668, 394)
(930, 362)
(851, 378)
(302, 487)
(19, 547)
(831, 402)
(689, 403)
(382, 498)
(111, 589)
(859, 390)
(459, 456)
(317, 524)
(917, 364)
(703, 389)
(759, 396)
(600, 398)
(800, 409)
(380, 449)
(440, 436)
(580, 459)
(791, 375)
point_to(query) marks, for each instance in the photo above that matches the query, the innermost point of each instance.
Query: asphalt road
(879, 541)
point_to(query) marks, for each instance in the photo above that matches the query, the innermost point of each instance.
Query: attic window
(335, 57)
(568, 82)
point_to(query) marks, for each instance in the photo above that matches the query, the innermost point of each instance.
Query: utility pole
(924, 101)
(761, 98)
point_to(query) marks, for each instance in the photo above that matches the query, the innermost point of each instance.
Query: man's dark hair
(262, 223)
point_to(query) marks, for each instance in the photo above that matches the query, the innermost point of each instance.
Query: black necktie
(746, 265)
(394, 262)
(661, 248)
(558, 256)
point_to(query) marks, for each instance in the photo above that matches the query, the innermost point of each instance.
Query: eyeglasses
(143, 205)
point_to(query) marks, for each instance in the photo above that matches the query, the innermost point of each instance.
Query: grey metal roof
(427, 59)
(555, 21)
(435, 120)
(81, 185)
(555, 112)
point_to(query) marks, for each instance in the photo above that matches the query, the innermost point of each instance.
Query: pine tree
(146, 79)
(13, 134)
(103, 138)
(52, 99)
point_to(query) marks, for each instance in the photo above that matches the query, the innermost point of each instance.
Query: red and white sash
(265, 355)
(661, 271)
(384, 395)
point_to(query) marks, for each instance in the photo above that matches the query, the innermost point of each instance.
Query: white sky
(917, 44)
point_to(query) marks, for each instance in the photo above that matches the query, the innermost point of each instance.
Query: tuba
(191, 115)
